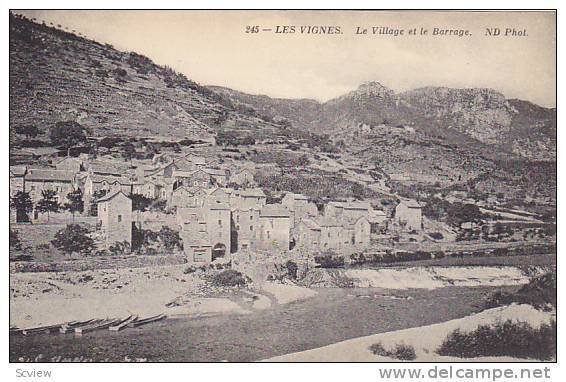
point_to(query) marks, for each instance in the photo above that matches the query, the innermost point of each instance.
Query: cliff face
(459, 116)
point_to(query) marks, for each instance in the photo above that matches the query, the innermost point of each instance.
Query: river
(333, 315)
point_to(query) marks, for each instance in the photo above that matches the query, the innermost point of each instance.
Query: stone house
(38, 180)
(347, 210)
(94, 183)
(217, 177)
(106, 169)
(218, 219)
(244, 228)
(307, 235)
(70, 164)
(148, 188)
(194, 233)
(17, 176)
(332, 234)
(360, 233)
(244, 177)
(408, 214)
(247, 198)
(182, 197)
(192, 178)
(274, 228)
(299, 207)
(115, 217)
(205, 231)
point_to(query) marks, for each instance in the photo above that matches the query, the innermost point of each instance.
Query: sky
(212, 48)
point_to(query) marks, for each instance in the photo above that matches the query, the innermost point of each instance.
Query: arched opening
(219, 250)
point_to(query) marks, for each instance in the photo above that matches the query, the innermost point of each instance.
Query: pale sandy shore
(425, 340)
(51, 298)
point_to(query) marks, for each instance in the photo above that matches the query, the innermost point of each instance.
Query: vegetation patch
(400, 351)
(514, 339)
(229, 278)
(540, 292)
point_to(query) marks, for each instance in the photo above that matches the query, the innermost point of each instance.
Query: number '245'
(252, 29)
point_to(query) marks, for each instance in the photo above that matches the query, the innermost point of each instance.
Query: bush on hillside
(514, 339)
(540, 292)
(400, 351)
(229, 278)
(73, 239)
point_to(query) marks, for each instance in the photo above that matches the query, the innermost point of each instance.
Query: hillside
(482, 118)
(57, 76)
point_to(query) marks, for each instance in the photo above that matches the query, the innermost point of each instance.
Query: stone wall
(132, 261)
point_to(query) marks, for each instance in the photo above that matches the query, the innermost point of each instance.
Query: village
(217, 211)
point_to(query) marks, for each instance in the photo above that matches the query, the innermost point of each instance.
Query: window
(251, 228)
(268, 234)
(251, 217)
(237, 218)
(220, 222)
(119, 218)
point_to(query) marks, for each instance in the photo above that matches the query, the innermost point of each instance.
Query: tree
(29, 131)
(75, 202)
(48, 202)
(23, 205)
(128, 151)
(73, 239)
(15, 242)
(140, 202)
(67, 134)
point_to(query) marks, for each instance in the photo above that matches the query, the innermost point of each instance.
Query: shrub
(73, 239)
(292, 269)
(120, 248)
(229, 278)
(329, 261)
(515, 339)
(190, 269)
(436, 235)
(15, 242)
(400, 351)
(540, 292)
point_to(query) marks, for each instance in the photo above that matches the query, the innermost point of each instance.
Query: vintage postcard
(282, 186)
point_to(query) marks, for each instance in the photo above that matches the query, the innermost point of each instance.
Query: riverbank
(425, 340)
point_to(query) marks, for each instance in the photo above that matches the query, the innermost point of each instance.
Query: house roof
(111, 179)
(356, 205)
(49, 175)
(214, 205)
(69, 159)
(411, 203)
(214, 171)
(252, 192)
(105, 168)
(274, 210)
(325, 221)
(111, 195)
(311, 224)
(18, 170)
(297, 196)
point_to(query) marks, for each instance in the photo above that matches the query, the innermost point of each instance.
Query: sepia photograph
(282, 186)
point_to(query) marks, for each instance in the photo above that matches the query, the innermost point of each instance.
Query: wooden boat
(104, 324)
(147, 320)
(69, 327)
(123, 324)
(41, 329)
